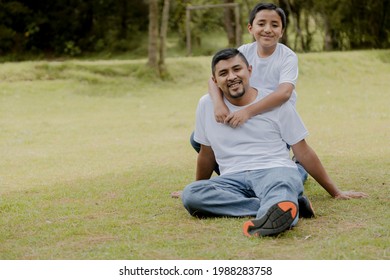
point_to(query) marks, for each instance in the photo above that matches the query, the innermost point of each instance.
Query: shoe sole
(305, 208)
(278, 218)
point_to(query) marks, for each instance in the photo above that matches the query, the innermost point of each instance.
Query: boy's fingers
(228, 119)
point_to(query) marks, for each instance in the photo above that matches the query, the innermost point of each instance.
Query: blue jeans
(196, 146)
(248, 193)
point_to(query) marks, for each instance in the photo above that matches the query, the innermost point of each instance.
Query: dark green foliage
(71, 26)
(347, 24)
(75, 27)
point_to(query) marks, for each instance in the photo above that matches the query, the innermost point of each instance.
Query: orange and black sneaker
(305, 208)
(278, 218)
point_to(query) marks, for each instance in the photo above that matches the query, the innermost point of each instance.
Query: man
(258, 178)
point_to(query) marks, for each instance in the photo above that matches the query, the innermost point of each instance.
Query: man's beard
(237, 94)
(233, 93)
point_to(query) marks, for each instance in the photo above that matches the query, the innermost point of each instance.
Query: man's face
(267, 28)
(232, 77)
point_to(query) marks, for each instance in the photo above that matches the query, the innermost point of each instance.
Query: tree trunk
(163, 36)
(229, 24)
(331, 41)
(153, 34)
(327, 38)
(295, 14)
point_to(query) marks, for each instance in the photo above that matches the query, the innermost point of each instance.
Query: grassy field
(90, 152)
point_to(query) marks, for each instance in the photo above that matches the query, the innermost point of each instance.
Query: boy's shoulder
(285, 49)
(248, 47)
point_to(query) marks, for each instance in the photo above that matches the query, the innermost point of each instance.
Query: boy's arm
(312, 164)
(205, 163)
(221, 111)
(274, 99)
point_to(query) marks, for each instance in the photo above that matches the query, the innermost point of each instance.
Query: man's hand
(350, 194)
(237, 118)
(221, 112)
(176, 194)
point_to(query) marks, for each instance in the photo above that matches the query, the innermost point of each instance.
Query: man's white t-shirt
(260, 143)
(269, 72)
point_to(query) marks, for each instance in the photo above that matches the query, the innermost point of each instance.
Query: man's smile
(235, 84)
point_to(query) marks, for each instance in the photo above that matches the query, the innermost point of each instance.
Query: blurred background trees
(74, 27)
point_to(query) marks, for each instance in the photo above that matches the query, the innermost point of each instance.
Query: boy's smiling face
(267, 28)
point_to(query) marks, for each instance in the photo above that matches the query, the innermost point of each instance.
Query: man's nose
(231, 75)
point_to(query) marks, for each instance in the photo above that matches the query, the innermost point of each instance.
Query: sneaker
(278, 218)
(305, 208)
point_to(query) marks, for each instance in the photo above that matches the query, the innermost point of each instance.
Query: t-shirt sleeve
(291, 125)
(245, 50)
(242, 48)
(200, 129)
(289, 70)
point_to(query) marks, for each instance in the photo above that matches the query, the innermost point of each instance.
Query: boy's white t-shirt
(269, 72)
(260, 143)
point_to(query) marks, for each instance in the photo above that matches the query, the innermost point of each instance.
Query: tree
(163, 35)
(73, 27)
(229, 20)
(153, 34)
(300, 13)
(157, 38)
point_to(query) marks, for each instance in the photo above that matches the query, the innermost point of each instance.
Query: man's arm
(274, 99)
(310, 161)
(205, 163)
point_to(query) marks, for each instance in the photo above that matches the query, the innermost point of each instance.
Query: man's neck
(249, 96)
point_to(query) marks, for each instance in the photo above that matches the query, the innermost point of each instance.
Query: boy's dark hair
(226, 54)
(268, 6)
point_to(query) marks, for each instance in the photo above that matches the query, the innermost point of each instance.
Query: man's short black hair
(226, 54)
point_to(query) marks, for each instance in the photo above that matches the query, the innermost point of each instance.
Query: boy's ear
(250, 31)
(214, 80)
(249, 28)
(281, 34)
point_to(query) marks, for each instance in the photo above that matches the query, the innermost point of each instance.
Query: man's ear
(214, 80)
(250, 70)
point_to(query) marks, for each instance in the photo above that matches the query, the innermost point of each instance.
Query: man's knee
(291, 180)
(190, 197)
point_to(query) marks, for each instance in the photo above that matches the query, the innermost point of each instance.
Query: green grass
(90, 152)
